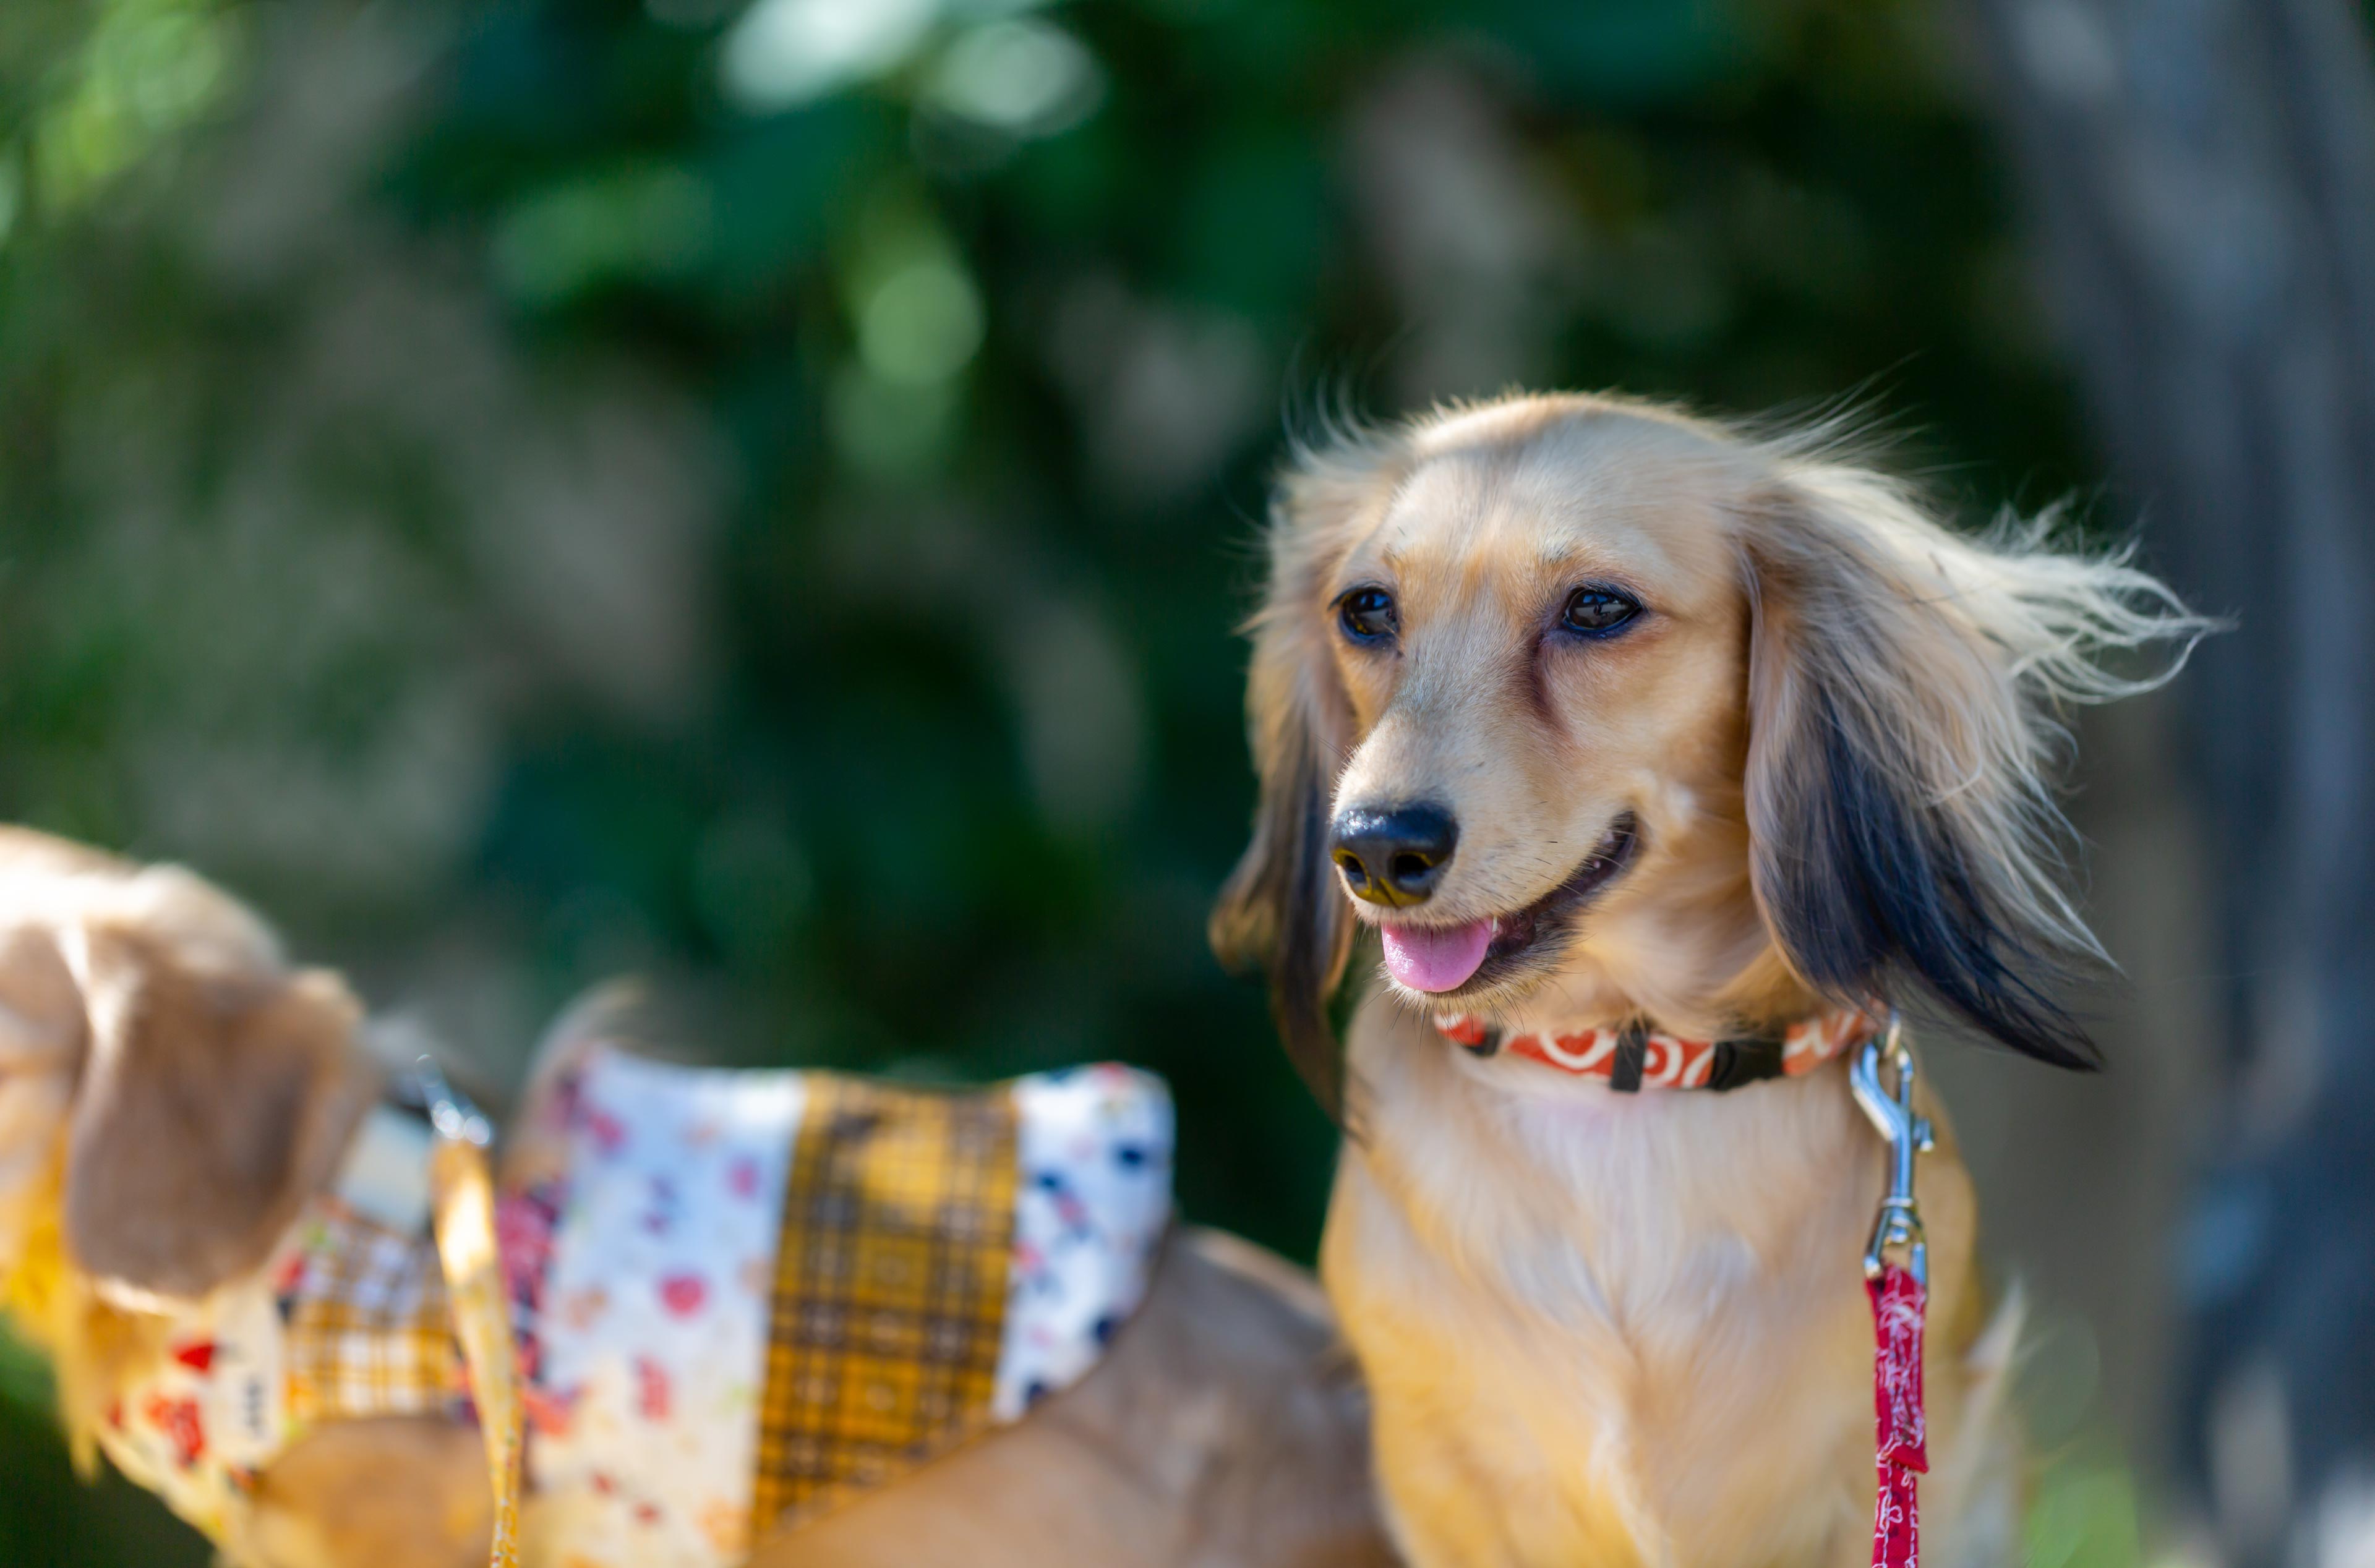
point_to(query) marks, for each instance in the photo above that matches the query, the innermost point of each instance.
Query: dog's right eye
(1366, 614)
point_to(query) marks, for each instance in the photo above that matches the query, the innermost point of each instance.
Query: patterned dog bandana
(753, 1295)
(348, 1319)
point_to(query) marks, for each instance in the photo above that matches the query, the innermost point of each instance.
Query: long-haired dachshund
(1659, 757)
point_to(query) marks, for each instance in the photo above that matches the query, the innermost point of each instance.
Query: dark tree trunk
(2202, 178)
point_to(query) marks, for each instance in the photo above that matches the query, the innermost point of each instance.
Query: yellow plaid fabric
(890, 1288)
(369, 1329)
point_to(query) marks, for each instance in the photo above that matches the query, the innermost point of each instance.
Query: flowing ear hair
(1904, 686)
(1280, 912)
(214, 1101)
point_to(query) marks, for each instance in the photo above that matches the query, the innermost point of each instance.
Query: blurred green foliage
(2082, 1515)
(759, 494)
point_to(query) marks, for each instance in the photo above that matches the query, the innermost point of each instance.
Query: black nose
(1395, 857)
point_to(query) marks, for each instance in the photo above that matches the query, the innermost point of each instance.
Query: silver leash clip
(451, 1111)
(1890, 1111)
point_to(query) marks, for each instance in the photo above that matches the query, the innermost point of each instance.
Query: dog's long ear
(214, 1101)
(1281, 912)
(1903, 684)
(40, 1051)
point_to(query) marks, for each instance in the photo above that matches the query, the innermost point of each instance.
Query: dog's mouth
(1475, 957)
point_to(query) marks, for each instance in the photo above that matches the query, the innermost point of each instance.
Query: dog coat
(750, 1296)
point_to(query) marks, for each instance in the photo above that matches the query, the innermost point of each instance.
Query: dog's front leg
(1470, 1479)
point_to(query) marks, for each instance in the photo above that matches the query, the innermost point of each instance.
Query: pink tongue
(1438, 960)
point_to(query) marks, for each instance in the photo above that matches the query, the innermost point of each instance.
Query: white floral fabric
(652, 1332)
(1095, 1145)
(196, 1427)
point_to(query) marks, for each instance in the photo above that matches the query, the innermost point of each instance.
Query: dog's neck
(1580, 1197)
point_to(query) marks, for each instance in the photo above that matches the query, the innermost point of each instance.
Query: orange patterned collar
(1639, 1056)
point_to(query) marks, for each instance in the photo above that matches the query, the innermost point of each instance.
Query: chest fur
(1616, 1328)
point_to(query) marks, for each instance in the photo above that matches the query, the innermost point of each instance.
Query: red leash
(1897, 1300)
(1900, 1295)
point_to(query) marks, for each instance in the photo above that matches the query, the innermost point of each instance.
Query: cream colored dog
(172, 1091)
(1603, 717)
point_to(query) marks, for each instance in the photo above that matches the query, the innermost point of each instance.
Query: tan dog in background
(171, 1093)
(1618, 718)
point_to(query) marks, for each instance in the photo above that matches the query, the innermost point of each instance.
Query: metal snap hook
(451, 1111)
(1890, 1111)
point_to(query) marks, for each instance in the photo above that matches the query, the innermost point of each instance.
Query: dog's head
(166, 1081)
(1596, 712)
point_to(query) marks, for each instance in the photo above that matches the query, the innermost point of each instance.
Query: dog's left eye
(1595, 610)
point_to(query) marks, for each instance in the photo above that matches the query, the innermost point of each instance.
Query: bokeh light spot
(921, 323)
(783, 53)
(1026, 78)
